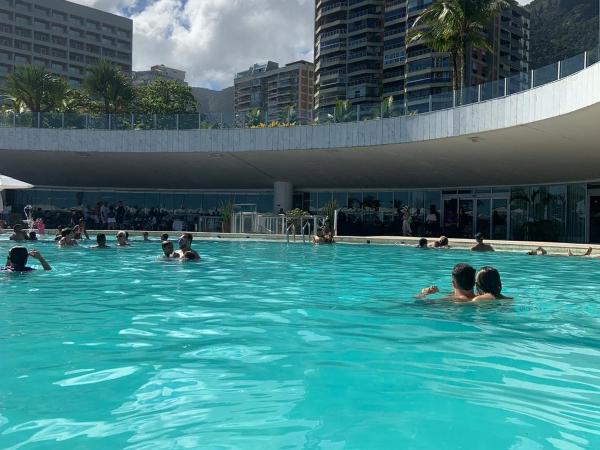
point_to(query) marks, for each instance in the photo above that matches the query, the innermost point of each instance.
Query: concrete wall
(559, 98)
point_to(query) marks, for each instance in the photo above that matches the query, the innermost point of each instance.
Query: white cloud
(212, 40)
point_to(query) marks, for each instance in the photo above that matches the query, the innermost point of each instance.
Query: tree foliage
(162, 96)
(35, 89)
(108, 85)
(454, 26)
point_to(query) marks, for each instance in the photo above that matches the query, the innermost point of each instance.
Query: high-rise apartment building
(65, 37)
(158, 71)
(273, 90)
(362, 54)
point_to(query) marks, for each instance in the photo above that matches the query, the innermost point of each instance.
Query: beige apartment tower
(274, 90)
(362, 54)
(65, 37)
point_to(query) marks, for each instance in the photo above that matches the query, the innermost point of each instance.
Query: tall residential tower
(362, 54)
(64, 37)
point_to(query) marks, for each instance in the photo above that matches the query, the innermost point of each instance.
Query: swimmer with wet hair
(167, 248)
(67, 239)
(489, 285)
(185, 248)
(100, 241)
(463, 282)
(442, 242)
(422, 244)
(540, 251)
(145, 235)
(164, 237)
(17, 260)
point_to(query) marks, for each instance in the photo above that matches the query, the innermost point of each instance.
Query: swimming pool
(274, 346)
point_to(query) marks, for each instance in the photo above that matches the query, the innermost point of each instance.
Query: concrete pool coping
(553, 248)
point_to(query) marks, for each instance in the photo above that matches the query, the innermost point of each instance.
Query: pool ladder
(305, 231)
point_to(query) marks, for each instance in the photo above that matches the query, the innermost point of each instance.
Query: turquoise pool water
(275, 346)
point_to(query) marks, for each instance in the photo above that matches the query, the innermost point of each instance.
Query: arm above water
(428, 291)
(37, 255)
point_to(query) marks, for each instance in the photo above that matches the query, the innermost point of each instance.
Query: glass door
(484, 206)
(465, 218)
(595, 219)
(499, 222)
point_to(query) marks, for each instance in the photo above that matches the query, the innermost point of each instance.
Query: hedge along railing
(429, 103)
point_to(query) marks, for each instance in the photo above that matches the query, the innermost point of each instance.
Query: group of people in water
(18, 256)
(468, 285)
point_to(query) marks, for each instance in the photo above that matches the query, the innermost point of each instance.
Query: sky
(212, 40)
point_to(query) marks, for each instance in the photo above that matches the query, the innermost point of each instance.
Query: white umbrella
(11, 183)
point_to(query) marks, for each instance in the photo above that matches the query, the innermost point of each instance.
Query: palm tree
(341, 113)
(455, 26)
(108, 84)
(36, 89)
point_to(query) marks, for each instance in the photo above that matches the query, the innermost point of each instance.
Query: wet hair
(479, 237)
(101, 238)
(464, 276)
(189, 236)
(18, 227)
(443, 241)
(164, 237)
(66, 231)
(164, 244)
(18, 256)
(488, 281)
(33, 236)
(145, 233)
(422, 242)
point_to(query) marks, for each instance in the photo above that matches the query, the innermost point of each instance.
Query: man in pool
(145, 235)
(17, 260)
(442, 242)
(481, 246)
(185, 248)
(18, 234)
(422, 244)
(100, 241)
(67, 239)
(463, 283)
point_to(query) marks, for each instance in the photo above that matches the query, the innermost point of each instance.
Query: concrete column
(283, 196)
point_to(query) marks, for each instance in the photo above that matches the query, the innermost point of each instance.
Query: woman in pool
(489, 285)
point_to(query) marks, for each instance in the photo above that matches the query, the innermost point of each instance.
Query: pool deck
(553, 248)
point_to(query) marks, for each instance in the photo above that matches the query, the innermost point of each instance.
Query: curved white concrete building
(522, 166)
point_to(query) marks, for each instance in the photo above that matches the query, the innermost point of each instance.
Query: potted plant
(226, 214)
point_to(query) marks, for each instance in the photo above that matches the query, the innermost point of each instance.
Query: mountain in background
(214, 102)
(561, 28)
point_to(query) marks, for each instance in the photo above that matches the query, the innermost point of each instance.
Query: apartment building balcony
(329, 9)
(365, 28)
(328, 25)
(362, 56)
(330, 34)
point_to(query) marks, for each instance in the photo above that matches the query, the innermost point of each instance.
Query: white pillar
(283, 196)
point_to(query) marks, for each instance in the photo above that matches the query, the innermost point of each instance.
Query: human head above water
(121, 237)
(479, 238)
(167, 247)
(66, 232)
(463, 277)
(488, 281)
(422, 243)
(18, 257)
(185, 241)
(101, 239)
(164, 237)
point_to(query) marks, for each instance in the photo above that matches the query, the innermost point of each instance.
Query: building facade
(64, 37)
(362, 54)
(278, 92)
(158, 71)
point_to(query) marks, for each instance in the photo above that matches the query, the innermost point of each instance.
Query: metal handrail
(307, 224)
(289, 228)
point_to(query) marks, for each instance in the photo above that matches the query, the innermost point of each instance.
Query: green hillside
(561, 28)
